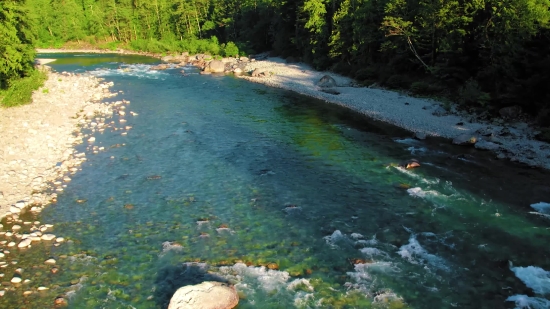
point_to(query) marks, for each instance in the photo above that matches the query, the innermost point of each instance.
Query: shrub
(471, 93)
(341, 68)
(398, 81)
(230, 50)
(368, 73)
(20, 90)
(543, 119)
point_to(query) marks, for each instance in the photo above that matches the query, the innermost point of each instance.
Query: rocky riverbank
(423, 117)
(37, 155)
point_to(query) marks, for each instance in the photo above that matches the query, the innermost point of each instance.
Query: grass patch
(20, 91)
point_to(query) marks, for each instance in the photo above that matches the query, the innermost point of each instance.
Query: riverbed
(297, 202)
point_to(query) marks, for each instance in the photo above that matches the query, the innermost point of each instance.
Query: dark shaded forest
(483, 54)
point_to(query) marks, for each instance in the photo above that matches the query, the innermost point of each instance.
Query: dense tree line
(486, 54)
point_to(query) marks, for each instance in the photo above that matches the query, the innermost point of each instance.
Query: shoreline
(38, 156)
(422, 117)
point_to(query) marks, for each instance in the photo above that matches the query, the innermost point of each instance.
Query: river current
(298, 203)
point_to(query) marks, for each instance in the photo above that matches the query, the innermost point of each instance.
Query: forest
(482, 54)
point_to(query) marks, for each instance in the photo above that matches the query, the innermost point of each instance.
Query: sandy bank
(37, 155)
(514, 141)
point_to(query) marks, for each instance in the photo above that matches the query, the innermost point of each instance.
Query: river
(297, 202)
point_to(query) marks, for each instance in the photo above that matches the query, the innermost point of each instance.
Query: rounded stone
(207, 295)
(50, 262)
(16, 280)
(48, 237)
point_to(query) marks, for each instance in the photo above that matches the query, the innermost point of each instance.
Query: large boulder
(511, 112)
(326, 82)
(207, 295)
(216, 66)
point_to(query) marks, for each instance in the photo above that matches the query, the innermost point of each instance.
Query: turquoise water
(293, 200)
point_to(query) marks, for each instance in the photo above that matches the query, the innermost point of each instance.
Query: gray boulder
(486, 145)
(511, 112)
(258, 73)
(207, 295)
(216, 66)
(326, 82)
(440, 111)
(465, 139)
(420, 135)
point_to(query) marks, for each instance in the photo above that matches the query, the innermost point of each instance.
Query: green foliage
(230, 49)
(369, 73)
(503, 46)
(398, 81)
(544, 135)
(471, 94)
(21, 89)
(16, 39)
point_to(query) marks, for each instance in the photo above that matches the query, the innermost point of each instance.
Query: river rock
(439, 111)
(258, 73)
(25, 243)
(216, 66)
(48, 237)
(465, 139)
(16, 280)
(49, 262)
(511, 112)
(486, 145)
(207, 295)
(420, 135)
(326, 82)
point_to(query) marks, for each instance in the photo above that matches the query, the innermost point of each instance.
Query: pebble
(24, 243)
(11, 244)
(16, 280)
(48, 237)
(16, 227)
(42, 288)
(60, 239)
(50, 262)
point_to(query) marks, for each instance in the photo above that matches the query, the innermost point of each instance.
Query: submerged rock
(412, 163)
(207, 295)
(465, 139)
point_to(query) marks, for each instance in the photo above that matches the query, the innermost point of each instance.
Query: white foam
(356, 236)
(303, 299)
(267, 279)
(168, 246)
(301, 283)
(526, 302)
(372, 252)
(418, 192)
(415, 150)
(335, 238)
(407, 141)
(137, 70)
(416, 176)
(416, 254)
(542, 207)
(535, 278)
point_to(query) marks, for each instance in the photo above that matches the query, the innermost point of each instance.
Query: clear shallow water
(293, 200)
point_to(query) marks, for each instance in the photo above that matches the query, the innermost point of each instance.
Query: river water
(294, 201)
